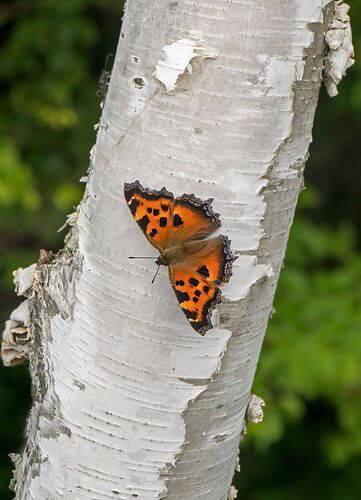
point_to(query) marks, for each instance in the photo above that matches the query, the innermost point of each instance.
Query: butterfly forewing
(192, 219)
(152, 210)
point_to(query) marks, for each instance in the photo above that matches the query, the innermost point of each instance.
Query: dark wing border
(203, 205)
(202, 327)
(228, 257)
(149, 194)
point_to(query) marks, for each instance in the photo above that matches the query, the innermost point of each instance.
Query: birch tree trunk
(215, 99)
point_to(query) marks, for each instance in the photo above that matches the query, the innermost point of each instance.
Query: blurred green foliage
(315, 335)
(51, 58)
(310, 365)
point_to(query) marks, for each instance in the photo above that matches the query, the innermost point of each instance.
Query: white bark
(129, 400)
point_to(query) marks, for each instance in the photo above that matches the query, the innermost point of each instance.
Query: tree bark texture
(129, 402)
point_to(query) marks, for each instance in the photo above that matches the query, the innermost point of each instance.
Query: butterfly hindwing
(197, 297)
(213, 261)
(196, 279)
(152, 210)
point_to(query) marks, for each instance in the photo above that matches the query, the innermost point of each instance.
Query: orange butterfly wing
(195, 281)
(167, 222)
(192, 219)
(197, 302)
(152, 210)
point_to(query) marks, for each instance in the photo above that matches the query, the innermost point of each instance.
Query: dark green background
(309, 444)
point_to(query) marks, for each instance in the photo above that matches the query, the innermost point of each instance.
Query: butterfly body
(180, 228)
(177, 253)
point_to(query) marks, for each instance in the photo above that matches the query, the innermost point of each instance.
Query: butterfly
(179, 228)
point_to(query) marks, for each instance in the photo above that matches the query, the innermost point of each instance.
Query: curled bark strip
(340, 54)
(254, 411)
(23, 279)
(232, 493)
(16, 344)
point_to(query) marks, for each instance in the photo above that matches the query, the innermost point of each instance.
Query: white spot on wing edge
(177, 58)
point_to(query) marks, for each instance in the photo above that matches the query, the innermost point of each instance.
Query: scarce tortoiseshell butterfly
(178, 228)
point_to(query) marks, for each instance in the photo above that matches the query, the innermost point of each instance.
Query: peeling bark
(128, 400)
(340, 54)
(178, 59)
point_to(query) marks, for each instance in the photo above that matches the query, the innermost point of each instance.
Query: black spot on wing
(163, 221)
(149, 210)
(153, 232)
(182, 296)
(206, 289)
(203, 271)
(155, 211)
(179, 283)
(197, 293)
(164, 207)
(177, 220)
(143, 222)
(193, 281)
(195, 299)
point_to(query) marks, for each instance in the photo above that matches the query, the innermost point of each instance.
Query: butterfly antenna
(156, 273)
(141, 258)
